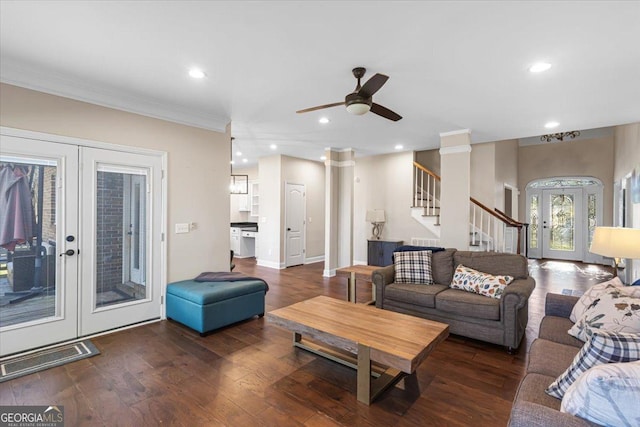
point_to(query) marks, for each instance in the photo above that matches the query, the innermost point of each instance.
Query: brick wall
(110, 205)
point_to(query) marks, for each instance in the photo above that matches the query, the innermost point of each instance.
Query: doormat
(45, 359)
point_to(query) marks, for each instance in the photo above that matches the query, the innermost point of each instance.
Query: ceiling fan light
(358, 108)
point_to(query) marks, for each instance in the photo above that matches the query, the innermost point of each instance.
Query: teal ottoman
(205, 306)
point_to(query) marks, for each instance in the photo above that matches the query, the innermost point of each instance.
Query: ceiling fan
(360, 101)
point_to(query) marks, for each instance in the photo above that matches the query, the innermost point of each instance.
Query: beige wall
(235, 214)
(198, 167)
(627, 150)
(507, 173)
(269, 225)
(429, 159)
(483, 173)
(589, 157)
(384, 182)
(311, 174)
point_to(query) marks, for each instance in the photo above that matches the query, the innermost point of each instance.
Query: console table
(380, 252)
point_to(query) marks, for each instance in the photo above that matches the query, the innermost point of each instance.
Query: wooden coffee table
(379, 343)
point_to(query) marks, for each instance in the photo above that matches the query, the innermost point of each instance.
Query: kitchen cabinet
(254, 198)
(380, 252)
(242, 241)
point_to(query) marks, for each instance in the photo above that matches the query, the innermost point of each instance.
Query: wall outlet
(182, 228)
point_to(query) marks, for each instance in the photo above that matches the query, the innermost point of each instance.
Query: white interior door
(562, 224)
(39, 290)
(294, 224)
(121, 223)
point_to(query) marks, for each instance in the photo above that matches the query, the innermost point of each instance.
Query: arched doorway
(562, 213)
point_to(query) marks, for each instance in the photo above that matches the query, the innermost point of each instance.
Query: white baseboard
(311, 260)
(355, 262)
(270, 264)
(329, 273)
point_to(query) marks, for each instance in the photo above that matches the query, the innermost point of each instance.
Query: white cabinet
(236, 236)
(243, 242)
(243, 202)
(254, 198)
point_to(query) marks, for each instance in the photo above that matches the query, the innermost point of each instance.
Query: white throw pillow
(413, 267)
(611, 311)
(595, 291)
(475, 281)
(603, 347)
(606, 394)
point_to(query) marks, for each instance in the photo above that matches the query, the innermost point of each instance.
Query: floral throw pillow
(594, 292)
(475, 281)
(603, 347)
(611, 311)
(413, 267)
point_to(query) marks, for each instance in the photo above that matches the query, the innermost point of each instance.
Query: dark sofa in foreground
(500, 321)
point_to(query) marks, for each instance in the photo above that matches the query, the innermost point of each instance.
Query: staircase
(489, 230)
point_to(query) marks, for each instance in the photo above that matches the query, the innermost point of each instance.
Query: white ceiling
(452, 65)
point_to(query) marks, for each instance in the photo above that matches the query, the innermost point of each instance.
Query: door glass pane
(591, 217)
(562, 222)
(28, 236)
(120, 237)
(534, 219)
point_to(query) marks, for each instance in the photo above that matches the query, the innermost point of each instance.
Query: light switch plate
(182, 228)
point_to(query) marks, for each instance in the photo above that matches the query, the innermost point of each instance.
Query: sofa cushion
(594, 292)
(442, 266)
(606, 394)
(555, 329)
(611, 311)
(603, 347)
(550, 358)
(470, 280)
(494, 263)
(468, 304)
(414, 294)
(413, 267)
(532, 389)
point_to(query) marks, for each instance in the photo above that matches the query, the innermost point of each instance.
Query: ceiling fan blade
(373, 85)
(320, 107)
(385, 112)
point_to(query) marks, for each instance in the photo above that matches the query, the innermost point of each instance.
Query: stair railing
(488, 227)
(427, 189)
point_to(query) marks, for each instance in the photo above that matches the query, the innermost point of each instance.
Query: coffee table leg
(351, 288)
(364, 374)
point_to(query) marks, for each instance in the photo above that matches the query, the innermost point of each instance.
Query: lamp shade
(358, 108)
(376, 215)
(616, 242)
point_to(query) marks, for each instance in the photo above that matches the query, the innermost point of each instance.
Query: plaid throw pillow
(413, 267)
(603, 347)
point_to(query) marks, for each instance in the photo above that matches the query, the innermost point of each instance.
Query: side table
(355, 272)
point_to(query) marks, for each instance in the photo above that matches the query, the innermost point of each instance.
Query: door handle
(69, 252)
(288, 229)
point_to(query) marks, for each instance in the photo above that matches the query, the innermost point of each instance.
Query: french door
(562, 218)
(90, 260)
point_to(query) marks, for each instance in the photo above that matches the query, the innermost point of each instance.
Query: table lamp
(377, 218)
(617, 243)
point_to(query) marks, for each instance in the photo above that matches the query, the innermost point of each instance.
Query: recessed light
(238, 153)
(539, 67)
(399, 147)
(273, 146)
(323, 120)
(551, 125)
(196, 73)
(245, 160)
(323, 157)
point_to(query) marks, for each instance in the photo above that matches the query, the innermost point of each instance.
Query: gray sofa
(499, 321)
(550, 355)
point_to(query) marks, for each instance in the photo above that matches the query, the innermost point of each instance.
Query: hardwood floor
(249, 374)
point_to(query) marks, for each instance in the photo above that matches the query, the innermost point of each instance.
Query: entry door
(294, 224)
(562, 225)
(121, 260)
(39, 280)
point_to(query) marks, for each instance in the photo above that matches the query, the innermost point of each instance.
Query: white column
(338, 239)
(455, 171)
